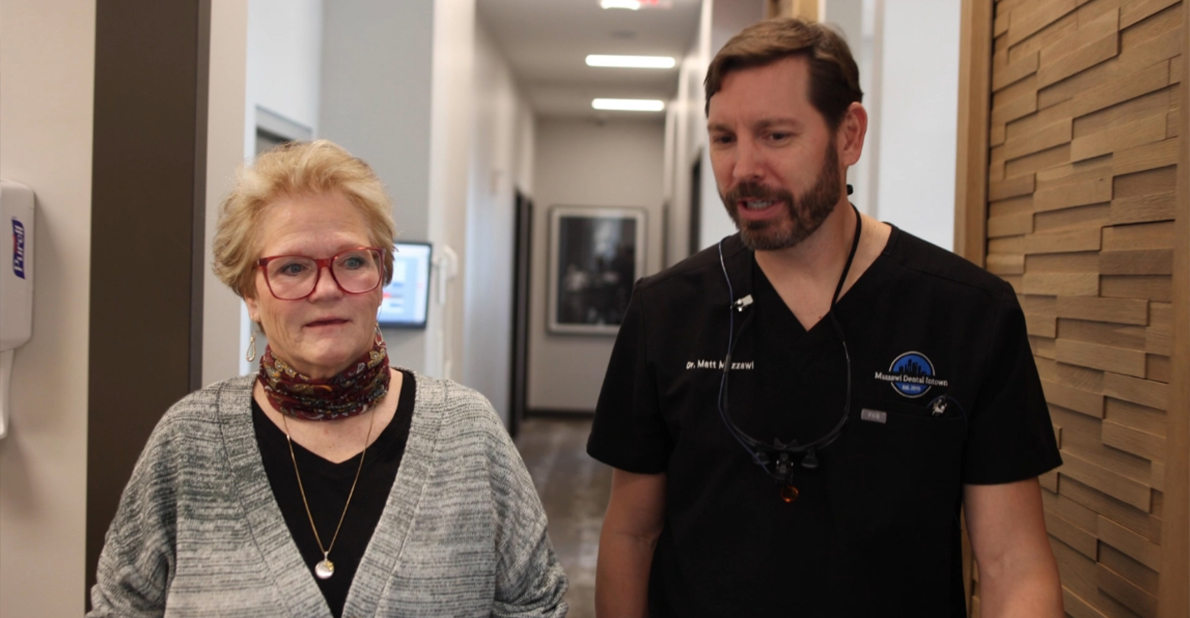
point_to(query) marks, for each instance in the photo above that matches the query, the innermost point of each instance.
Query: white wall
(222, 318)
(282, 73)
(284, 63)
(918, 55)
(848, 17)
(727, 19)
(47, 82)
(687, 133)
(686, 137)
(396, 91)
(502, 133)
(375, 102)
(526, 148)
(908, 58)
(581, 163)
(453, 57)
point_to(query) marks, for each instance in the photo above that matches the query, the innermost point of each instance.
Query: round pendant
(324, 569)
(789, 493)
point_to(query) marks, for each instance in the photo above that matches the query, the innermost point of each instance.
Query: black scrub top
(875, 528)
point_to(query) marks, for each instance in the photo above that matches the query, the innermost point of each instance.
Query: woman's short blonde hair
(295, 170)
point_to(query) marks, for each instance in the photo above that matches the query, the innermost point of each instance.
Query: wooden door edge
(975, 70)
(1173, 592)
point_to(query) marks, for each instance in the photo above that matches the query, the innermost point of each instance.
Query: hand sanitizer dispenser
(16, 284)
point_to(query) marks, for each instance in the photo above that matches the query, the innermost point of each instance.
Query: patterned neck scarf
(350, 392)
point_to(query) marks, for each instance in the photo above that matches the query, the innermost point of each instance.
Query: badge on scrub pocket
(942, 407)
(874, 416)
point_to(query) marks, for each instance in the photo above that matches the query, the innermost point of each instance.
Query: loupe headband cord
(755, 448)
(762, 454)
(739, 436)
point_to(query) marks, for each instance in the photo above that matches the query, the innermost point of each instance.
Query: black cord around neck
(775, 458)
(859, 227)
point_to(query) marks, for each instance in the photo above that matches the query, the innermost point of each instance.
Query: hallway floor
(574, 489)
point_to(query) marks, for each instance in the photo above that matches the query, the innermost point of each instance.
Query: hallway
(574, 489)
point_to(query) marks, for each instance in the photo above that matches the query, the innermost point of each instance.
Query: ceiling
(547, 41)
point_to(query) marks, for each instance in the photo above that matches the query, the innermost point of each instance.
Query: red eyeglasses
(294, 277)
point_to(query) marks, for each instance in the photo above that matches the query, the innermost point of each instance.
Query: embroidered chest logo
(911, 375)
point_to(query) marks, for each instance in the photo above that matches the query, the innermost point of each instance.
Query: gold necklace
(326, 568)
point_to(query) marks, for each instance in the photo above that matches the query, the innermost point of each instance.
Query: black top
(327, 485)
(875, 529)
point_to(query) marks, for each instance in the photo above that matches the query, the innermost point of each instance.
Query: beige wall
(47, 59)
(225, 145)
(581, 163)
(502, 130)
(47, 66)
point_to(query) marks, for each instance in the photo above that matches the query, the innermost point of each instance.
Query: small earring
(251, 355)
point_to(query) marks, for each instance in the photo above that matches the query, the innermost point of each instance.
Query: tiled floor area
(574, 489)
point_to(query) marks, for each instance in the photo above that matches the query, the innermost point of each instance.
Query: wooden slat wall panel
(1082, 156)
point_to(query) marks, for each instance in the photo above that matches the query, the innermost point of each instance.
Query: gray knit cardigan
(198, 532)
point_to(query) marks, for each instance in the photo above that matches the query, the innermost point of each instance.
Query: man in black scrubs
(796, 416)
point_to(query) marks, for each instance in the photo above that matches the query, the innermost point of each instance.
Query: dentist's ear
(851, 133)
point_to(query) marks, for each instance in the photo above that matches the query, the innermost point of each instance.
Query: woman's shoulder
(448, 394)
(454, 405)
(458, 427)
(203, 408)
(188, 435)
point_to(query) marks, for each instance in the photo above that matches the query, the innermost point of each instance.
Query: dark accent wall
(147, 230)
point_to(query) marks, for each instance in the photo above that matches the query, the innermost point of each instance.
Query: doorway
(522, 262)
(695, 205)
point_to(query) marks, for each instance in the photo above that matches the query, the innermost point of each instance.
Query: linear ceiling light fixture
(631, 62)
(629, 105)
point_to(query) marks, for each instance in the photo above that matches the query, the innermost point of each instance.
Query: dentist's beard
(805, 214)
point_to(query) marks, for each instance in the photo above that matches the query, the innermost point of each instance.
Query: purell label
(18, 248)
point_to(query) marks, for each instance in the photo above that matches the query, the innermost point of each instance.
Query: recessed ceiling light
(631, 5)
(631, 62)
(629, 105)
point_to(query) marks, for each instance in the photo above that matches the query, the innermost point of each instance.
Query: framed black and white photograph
(596, 254)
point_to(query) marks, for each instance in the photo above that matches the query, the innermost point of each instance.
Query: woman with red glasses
(330, 483)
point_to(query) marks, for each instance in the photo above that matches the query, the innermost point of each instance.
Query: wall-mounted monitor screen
(407, 299)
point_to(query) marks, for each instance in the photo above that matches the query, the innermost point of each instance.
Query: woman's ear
(253, 308)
